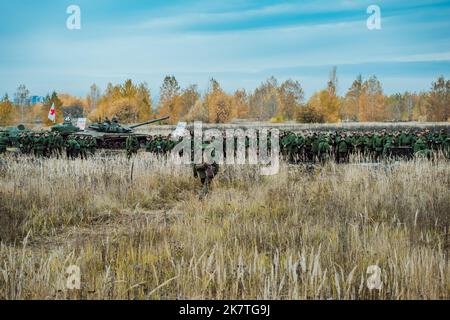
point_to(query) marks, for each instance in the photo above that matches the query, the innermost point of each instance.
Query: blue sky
(240, 43)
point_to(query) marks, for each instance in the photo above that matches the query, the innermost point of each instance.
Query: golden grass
(140, 232)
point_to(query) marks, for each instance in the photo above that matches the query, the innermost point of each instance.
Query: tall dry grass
(138, 230)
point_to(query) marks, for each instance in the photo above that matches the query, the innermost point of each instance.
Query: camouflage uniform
(38, 145)
(132, 146)
(4, 141)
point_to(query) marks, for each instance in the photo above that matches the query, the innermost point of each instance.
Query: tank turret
(66, 128)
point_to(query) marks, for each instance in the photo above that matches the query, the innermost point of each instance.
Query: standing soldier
(92, 145)
(82, 142)
(158, 145)
(388, 145)
(45, 144)
(406, 139)
(38, 145)
(428, 137)
(342, 148)
(378, 145)
(206, 172)
(148, 144)
(4, 140)
(315, 146)
(22, 142)
(132, 145)
(366, 143)
(59, 144)
(72, 148)
(420, 147)
(51, 144)
(324, 148)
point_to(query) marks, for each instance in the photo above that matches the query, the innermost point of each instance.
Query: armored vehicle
(66, 128)
(112, 135)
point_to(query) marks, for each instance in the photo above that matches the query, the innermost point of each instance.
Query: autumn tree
(219, 104)
(265, 100)
(400, 106)
(189, 97)
(8, 113)
(169, 89)
(439, 101)
(326, 103)
(170, 102)
(129, 102)
(372, 101)
(420, 106)
(291, 98)
(240, 103)
(199, 112)
(350, 106)
(309, 114)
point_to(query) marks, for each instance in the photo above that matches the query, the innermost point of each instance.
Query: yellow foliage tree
(350, 106)
(172, 107)
(8, 113)
(291, 98)
(128, 102)
(199, 112)
(220, 105)
(326, 105)
(240, 104)
(372, 104)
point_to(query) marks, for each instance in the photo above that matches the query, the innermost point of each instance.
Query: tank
(66, 128)
(112, 135)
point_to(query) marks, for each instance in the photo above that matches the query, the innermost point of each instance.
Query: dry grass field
(138, 230)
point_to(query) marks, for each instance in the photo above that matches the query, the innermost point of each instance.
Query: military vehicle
(112, 135)
(13, 134)
(66, 128)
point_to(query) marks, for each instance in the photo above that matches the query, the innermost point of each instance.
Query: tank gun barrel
(148, 122)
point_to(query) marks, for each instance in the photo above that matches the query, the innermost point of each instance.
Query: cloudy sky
(240, 43)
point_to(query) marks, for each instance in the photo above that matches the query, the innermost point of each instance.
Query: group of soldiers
(41, 144)
(155, 144)
(306, 146)
(80, 146)
(50, 144)
(159, 144)
(320, 146)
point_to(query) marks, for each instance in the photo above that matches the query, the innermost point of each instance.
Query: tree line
(272, 101)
